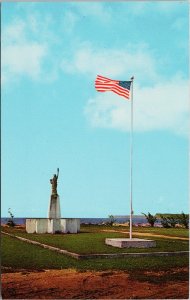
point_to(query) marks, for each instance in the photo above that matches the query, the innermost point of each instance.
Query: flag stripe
(102, 78)
(113, 88)
(103, 84)
(110, 86)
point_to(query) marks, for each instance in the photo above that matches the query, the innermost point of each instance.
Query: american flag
(122, 88)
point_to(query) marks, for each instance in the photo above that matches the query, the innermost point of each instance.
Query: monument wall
(63, 225)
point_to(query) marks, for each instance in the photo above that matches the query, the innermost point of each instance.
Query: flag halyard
(104, 84)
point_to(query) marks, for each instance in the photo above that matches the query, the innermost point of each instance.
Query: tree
(183, 219)
(11, 222)
(172, 221)
(164, 222)
(151, 219)
(111, 220)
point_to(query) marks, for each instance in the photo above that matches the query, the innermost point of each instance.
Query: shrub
(11, 222)
(183, 220)
(151, 219)
(164, 221)
(111, 220)
(168, 222)
(172, 221)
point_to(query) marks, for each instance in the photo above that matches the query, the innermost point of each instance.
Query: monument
(54, 207)
(53, 223)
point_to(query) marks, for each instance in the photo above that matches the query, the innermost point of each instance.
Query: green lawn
(18, 254)
(178, 232)
(91, 240)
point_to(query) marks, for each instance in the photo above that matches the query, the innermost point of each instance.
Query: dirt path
(70, 284)
(149, 234)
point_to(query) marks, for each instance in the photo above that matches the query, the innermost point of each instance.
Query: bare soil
(71, 284)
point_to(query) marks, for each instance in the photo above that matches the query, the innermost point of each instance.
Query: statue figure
(53, 182)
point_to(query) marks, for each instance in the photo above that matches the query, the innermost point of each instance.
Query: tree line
(167, 220)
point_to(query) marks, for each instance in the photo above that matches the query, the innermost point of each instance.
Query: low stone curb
(75, 255)
(102, 255)
(118, 255)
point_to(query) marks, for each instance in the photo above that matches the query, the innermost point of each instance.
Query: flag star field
(125, 84)
(66, 73)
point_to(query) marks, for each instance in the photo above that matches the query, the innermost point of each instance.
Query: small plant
(111, 220)
(183, 220)
(151, 219)
(164, 221)
(11, 222)
(172, 221)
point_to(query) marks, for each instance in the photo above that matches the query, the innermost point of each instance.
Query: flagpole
(131, 161)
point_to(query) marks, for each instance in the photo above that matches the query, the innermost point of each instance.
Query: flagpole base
(130, 243)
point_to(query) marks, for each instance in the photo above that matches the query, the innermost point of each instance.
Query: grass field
(18, 254)
(180, 232)
(91, 240)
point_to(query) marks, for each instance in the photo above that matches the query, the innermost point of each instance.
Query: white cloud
(138, 8)
(164, 106)
(92, 9)
(168, 7)
(112, 62)
(23, 59)
(79, 11)
(13, 32)
(23, 52)
(69, 21)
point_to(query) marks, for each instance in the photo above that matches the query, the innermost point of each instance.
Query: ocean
(136, 220)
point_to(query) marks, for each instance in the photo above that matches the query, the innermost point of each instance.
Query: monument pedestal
(130, 243)
(54, 211)
(40, 225)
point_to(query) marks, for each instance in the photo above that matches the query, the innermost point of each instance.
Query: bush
(164, 221)
(151, 219)
(111, 220)
(11, 222)
(172, 221)
(183, 220)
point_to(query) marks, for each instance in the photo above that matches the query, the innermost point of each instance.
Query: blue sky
(53, 117)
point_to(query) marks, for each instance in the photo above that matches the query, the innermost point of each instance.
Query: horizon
(115, 216)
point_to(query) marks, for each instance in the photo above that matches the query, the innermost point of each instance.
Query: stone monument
(54, 207)
(53, 223)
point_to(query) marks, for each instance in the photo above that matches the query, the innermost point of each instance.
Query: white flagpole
(131, 160)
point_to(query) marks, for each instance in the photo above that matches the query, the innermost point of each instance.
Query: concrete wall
(31, 225)
(50, 225)
(41, 225)
(70, 225)
(63, 225)
(53, 225)
(36, 225)
(78, 225)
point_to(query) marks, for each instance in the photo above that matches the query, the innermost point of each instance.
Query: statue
(53, 182)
